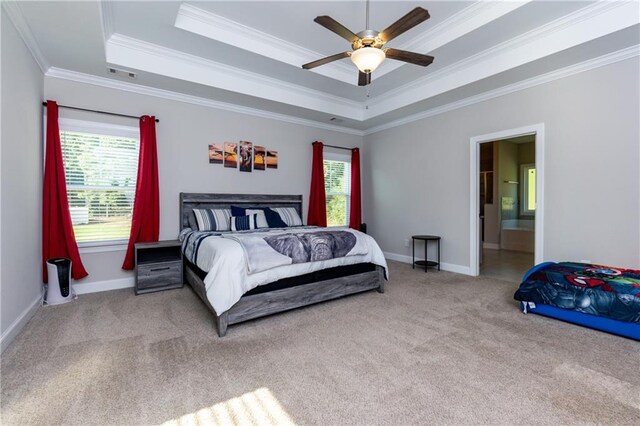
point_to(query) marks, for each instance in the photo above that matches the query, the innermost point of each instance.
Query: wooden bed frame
(267, 303)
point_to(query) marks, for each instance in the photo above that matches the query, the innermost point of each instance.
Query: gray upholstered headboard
(190, 201)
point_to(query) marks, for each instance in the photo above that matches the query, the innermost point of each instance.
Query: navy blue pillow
(273, 218)
(240, 211)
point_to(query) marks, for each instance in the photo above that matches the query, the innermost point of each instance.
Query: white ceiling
(248, 55)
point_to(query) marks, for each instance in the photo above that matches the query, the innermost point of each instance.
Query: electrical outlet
(585, 261)
(406, 242)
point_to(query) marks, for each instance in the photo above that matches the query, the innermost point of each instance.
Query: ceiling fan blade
(410, 57)
(405, 23)
(364, 78)
(326, 60)
(335, 26)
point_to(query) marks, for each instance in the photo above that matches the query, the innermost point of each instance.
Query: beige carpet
(436, 348)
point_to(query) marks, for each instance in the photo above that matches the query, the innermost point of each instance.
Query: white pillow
(261, 219)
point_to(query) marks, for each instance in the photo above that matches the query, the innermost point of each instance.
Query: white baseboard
(492, 246)
(98, 286)
(12, 331)
(458, 269)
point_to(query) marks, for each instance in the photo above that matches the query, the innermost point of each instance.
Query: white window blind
(101, 172)
(337, 184)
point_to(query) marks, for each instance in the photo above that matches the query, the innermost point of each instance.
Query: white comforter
(227, 278)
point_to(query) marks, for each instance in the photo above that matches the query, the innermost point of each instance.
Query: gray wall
(183, 135)
(417, 175)
(21, 171)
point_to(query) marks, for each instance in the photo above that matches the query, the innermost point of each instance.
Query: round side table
(426, 263)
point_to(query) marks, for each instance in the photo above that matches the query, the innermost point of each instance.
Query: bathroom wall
(508, 174)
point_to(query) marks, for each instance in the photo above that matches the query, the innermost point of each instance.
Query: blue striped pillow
(289, 215)
(243, 223)
(212, 219)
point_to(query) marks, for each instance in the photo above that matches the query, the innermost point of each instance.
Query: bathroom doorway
(506, 203)
(507, 206)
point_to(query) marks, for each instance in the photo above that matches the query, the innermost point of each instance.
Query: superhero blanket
(592, 289)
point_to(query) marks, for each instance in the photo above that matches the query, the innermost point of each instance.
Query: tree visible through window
(101, 175)
(337, 184)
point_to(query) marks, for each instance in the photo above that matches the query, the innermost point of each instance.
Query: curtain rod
(95, 110)
(333, 146)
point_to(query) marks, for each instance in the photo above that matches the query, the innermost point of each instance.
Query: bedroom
(415, 168)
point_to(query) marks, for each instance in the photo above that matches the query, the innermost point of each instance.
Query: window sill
(102, 248)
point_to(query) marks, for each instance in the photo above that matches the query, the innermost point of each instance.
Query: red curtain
(58, 239)
(145, 223)
(355, 209)
(317, 198)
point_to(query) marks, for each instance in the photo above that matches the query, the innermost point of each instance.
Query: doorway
(506, 215)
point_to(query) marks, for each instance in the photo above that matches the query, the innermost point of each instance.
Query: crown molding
(467, 20)
(216, 27)
(611, 58)
(79, 77)
(106, 19)
(144, 56)
(219, 28)
(595, 20)
(608, 59)
(12, 8)
(586, 24)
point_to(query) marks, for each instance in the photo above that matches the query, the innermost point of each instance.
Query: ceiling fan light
(367, 59)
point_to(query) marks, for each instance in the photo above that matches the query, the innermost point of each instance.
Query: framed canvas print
(272, 159)
(259, 157)
(246, 156)
(215, 154)
(231, 155)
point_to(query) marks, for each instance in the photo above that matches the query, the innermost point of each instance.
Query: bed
(232, 281)
(600, 297)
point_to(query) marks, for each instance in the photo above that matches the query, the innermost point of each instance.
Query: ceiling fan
(368, 45)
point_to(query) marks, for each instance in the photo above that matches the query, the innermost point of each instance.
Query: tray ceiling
(248, 55)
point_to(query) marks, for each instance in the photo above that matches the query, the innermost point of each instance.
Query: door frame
(474, 190)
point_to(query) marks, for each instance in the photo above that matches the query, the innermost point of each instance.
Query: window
(528, 205)
(101, 166)
(337, 185)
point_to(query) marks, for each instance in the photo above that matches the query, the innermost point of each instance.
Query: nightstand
(158, 266)
(426, 262)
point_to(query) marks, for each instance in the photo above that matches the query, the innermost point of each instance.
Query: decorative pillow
(243, 223)
(261, 219)
(193, 223)
(240, 211)
(273, 218)
(289, 215)
(212, 219)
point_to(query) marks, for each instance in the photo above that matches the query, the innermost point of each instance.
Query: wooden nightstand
(158, 266)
